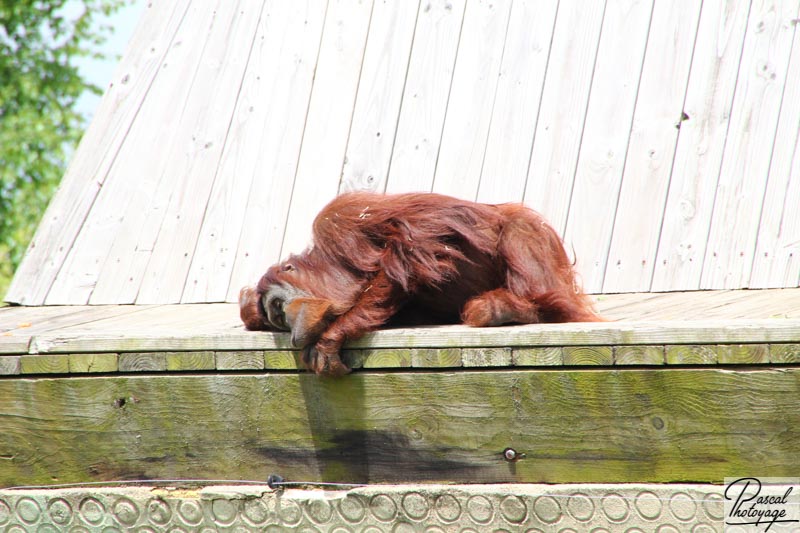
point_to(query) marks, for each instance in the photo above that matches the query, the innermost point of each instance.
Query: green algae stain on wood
(240, 360)
(691, 355)
(743, 353)
(86, 363)
(436, 357)
(486, 357)
(44, 364)
(582, 425)
(784, 353)
(639, 355)
(190, 361)
(142, 362)
(545, 356)
(282, 360)
(588, 355)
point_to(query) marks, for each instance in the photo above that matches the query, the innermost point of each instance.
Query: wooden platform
(122, 392)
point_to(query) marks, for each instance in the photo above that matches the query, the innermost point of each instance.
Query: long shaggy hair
(414, 259)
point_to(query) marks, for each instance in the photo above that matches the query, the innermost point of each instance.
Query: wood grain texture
(143, 362)
(136, 185)
(552, 356)
(691, 355)
(784, 353)
(743, 354)
(639, 355)
(427, 89)
(517, 101)
(89, 363)
(380, 94)
(660, 134)
(433, 358)
(557, 140)
(9, 365)
(274, 104)
(748, 149)
(701, 144)
(189, 361)
(777, 257)
(193, 162)
(469, 109)
(597, 334)
(588, 355)
(587, 426)
(97, 152)
(651, 149)
(606, 134)
(330, 112)
(486, 357)
(240, 360)
(44, 364)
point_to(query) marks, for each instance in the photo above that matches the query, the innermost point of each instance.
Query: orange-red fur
(415, 258)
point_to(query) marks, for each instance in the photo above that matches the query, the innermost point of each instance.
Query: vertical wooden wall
(660, 139)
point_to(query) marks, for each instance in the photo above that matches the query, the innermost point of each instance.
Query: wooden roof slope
(661, 140)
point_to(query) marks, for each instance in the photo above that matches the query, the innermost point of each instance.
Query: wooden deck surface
(660, 140)
(718, 316)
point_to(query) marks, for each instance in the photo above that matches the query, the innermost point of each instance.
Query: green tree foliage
(39, 124)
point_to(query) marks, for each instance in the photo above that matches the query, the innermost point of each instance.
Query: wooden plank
(149, 339)
(143, 362)
(687, 354)
(44, 364)
(588, 426)
(517, 101)
(486, 357)
(748, 149)
(34, 320)
(744, 354)
(432, 358)
(784, 353)
(186, 318)
(11, 343)
(240, 360)
(472, 96)
(190, 361)
(277, 89)
(380, 92)
(701, 141)
(193, 163)
(330, 112)
(282, 360)
(90, 166)
(588, 355)
(270, 112)
(430, 73)
(639, 355)
(131, 189)
(20, 324)
(89, 363)
(648, 163)
(777, 257)
(9, 364)
(562, 115)
(605, 137)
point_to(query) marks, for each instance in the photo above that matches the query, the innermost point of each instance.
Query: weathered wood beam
(606, 425)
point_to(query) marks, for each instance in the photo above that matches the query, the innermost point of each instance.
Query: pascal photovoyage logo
(755, 504)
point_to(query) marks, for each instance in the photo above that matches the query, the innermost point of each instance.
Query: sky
(100, 72)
